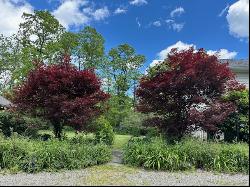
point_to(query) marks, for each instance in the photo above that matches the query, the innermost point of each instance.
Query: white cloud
(138, 22)
(155, 62)
(138, 2)
(178, 26)
(223, 54)
(179, 45)
(10, 14)
(157, 23)
(101, 14)
(175, 26)
(120, 11)
(238, 19)
(177, 12)
(169, 21)
(223, 11)
(77, 12)
(69, 13)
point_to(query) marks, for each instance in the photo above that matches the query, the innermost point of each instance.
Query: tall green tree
(39, 39)
(40, 32)
(124, 69)
(90, 49)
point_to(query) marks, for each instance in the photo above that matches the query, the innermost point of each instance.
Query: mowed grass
(69, 134)
(119, 141)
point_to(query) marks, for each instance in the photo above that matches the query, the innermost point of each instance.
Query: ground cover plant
(186, 155)
(22, 154)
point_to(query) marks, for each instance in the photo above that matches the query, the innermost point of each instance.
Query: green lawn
(119, 142)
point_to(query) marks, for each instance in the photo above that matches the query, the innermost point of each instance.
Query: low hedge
(20, 154)
(187, 154)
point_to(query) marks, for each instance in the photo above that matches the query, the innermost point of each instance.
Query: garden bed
(21, 154)
(187, 155)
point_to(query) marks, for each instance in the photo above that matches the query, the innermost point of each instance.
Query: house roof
(4, 102)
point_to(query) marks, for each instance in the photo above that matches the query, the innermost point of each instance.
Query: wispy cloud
(138, 22)
(101, 14)
(174, 25)
(177, 12)
(120, 11)
(223, 11)
(138, 2)
(157, 23)
(178, 26)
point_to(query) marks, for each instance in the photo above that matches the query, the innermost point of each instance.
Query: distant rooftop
(237, 65)
(236, 62)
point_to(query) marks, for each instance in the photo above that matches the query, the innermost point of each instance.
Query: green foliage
(35, 156)
(158, 68)
(116, 113)
(124, 67)
(236, 127)
(131, 123)
(187, 154)
(104, 132)
(90, 48)
(24, 125)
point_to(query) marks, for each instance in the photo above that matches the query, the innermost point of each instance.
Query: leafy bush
(34, 156)
(82, 139)
(187, 154)
(236, 126)
(24, 125)
(104, 131)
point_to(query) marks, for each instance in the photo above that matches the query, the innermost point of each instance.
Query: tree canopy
(187, 94)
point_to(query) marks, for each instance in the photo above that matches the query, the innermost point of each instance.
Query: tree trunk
(57, 130)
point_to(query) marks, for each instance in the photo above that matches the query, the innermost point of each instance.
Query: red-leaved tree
(62, 94)
(186, 93)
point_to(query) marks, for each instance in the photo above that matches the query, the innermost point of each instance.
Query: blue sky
(152, 27)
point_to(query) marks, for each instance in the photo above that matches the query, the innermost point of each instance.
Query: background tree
(90, 49)
(9, 61)
(62, 94)
(184, 94)
(40, 32)
(123, 68)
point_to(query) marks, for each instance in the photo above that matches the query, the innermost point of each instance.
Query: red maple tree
(62, 94)
(176, 95)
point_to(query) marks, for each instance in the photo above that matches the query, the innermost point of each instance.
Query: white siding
(243, 77)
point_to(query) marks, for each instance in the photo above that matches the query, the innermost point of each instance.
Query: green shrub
(35, 156)
(24, 125)
(236, 126)
(187, 154)
(104, 131)
(82, 139)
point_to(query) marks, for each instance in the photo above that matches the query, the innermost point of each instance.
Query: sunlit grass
(120, 141)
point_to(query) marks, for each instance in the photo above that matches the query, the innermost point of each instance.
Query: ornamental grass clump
(186, 155)
(21, 154)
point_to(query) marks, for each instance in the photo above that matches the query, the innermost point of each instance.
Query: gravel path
(117, 174)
